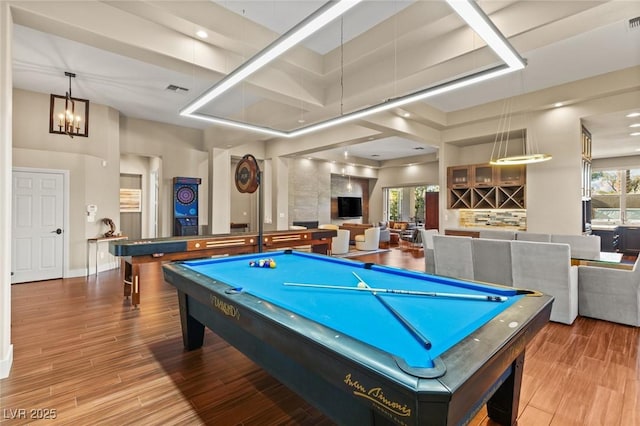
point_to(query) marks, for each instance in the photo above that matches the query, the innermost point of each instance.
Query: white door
(37, 218)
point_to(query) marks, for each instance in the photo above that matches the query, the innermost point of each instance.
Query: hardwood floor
(80, 349)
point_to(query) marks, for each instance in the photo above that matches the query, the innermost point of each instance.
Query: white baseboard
(72, 273)
(6, 362)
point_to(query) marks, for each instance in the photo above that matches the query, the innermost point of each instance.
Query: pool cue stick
(410, 328)
(405, 292)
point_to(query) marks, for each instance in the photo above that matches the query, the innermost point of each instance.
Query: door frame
(65, 209)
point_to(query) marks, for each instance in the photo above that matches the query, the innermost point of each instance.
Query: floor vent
(634, 23)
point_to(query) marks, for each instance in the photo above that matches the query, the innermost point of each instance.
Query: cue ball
(362, 285)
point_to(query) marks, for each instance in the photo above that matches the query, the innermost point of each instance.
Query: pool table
(433, 356)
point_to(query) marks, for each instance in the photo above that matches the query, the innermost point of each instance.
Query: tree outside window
(615, 196)
(395, 197)
(418, 194)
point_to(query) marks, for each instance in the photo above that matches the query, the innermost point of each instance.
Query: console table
(97, 242)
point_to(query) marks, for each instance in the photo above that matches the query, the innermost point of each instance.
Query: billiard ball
(362, 285)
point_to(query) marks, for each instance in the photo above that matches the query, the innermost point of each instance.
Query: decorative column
(220, 191)
(280, 169)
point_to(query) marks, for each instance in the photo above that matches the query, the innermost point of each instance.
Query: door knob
(57, 231)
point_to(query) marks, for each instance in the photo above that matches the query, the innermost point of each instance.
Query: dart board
(247, 174)
(185, 205)
(185, 195)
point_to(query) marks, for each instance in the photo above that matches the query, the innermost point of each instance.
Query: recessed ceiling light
(635, 125)
(202, 34)
(634, 134)
(301, 121)
(558, 104)
(633, 114)
(346, 154)
(406, 114)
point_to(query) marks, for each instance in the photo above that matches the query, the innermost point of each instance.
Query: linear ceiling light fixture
(314, 22)
(468, 10)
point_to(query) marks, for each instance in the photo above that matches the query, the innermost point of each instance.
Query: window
(394, 203)
(615, 197)
(406, 204)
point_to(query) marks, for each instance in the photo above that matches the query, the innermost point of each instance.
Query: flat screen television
(349, 207)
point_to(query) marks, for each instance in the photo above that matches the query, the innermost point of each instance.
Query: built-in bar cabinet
(484, 186)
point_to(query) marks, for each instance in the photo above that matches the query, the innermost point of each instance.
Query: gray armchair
(546, 267)
(453, 256)
(610, 294)
(582, 246)
(427, 244)
(492, 261)
(385, 235)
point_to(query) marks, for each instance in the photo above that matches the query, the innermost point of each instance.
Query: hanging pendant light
(500, 152)
(68, 115)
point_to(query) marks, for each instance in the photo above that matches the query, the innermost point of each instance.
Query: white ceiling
(125, 54)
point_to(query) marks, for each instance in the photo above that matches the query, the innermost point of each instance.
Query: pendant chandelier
(500, 155)
(68, 115)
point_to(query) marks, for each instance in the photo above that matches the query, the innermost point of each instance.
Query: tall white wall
(6, 83)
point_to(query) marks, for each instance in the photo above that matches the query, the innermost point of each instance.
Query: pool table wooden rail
(133, 253)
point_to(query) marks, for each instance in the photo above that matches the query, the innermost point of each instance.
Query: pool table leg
(192, 329)
(131, 281)
(503, 405)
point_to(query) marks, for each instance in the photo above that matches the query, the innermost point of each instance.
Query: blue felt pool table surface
(358, 314)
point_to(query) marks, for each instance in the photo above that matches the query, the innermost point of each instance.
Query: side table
(97, 242)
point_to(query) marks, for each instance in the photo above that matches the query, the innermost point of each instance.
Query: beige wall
(419, 174)
(181, 152)
(93, 165)
(553, 188)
